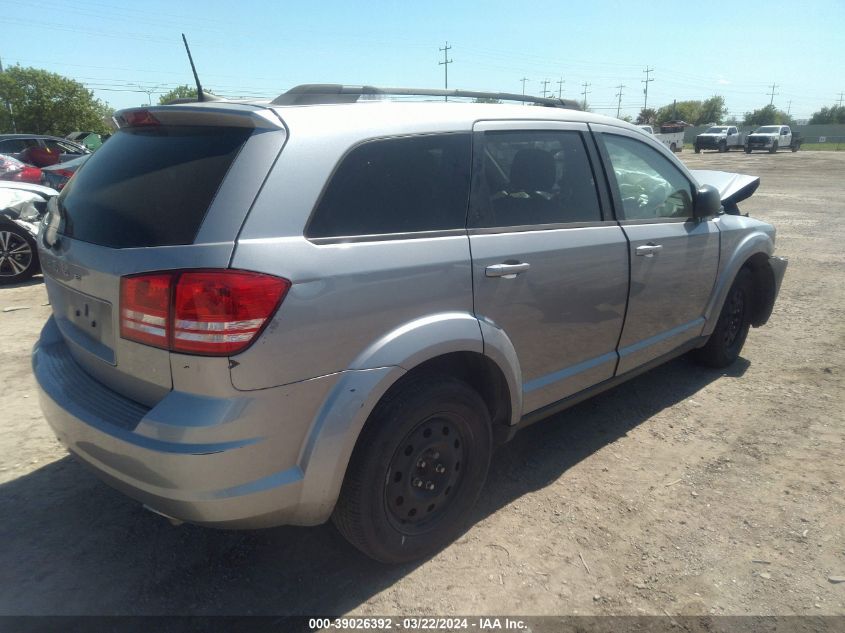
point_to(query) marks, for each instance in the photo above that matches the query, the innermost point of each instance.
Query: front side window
(534, 178)
(648, 184)
(397, 185)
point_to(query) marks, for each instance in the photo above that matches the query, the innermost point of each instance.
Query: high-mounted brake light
(138, 118)
(210, 312)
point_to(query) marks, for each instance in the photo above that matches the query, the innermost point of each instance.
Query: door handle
(648, 250)
(506, 271)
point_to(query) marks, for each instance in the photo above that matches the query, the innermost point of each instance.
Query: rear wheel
(795, 147)
(726, 341)
(723, 147)
(747, 150)
(697, 149)
(773, 148)
(18, 256)
(416, 471)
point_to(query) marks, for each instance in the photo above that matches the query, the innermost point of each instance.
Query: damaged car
(22, 205)
(335, 305)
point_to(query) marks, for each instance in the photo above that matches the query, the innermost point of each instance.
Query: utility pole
(789, 108)
(560, 88)
(646, 81)
(840, 98)
(545, 83)
(9, 106)
(619, 96)
(523, 80)
(773, 94)
(445, 63)
(149, 92)
(586, 92)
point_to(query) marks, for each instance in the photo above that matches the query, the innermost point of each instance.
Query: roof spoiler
(312, 94)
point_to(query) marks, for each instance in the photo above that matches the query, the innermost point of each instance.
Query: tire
(747, 150)
(723, 147)
(416, 471)
(697, 149)
(726, 341)
(18, 254)
(773, 148)
(673, 148)
(795, 148)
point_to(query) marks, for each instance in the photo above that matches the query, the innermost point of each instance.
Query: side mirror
(708, 202)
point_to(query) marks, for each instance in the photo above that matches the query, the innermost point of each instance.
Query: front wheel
(747, 150)
(728, 337)
(416, 471)
(773, 148)
(723, 147)
(18, 255)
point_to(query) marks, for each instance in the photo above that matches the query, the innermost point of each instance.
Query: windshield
(716, 130)
(768, 129)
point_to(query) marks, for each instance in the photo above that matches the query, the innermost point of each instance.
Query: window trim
(377, 237)
(481, 129)
(613, 185)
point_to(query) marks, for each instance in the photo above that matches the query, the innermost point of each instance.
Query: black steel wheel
(416, 470)
(18, 255)
(773, 148)
(728, 337)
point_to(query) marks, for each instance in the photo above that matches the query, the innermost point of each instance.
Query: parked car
(772, 138)
(56, 176)
(269, 314)
(719, 137)
(22, 205)
(40, 150)
(91, 140)
(13, 169)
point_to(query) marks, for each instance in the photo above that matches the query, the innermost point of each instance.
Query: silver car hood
(732, 187)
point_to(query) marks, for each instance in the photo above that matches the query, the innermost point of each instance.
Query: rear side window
(397, 185)
(534, 178)
(149, 186)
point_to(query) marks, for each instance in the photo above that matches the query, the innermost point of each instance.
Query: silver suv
(277, 313)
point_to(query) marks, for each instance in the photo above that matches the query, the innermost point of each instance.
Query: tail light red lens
(208, 312)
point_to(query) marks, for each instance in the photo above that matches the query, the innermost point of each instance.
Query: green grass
(823, 147)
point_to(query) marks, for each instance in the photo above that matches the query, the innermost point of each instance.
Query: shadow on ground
(71, 545)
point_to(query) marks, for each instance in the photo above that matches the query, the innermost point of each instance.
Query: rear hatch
(169, 191)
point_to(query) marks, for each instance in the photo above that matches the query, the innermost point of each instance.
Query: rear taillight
(209, 312)
(137, 118)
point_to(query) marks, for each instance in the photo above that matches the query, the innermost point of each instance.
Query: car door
(674, 258)
(550, 266)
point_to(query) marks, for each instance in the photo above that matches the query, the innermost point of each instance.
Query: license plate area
(84, 319)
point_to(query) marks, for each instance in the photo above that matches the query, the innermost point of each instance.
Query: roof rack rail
(312, 94)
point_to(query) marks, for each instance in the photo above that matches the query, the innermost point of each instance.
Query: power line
(646, 81)
(445, 63)
(585, 93)
(619, 96)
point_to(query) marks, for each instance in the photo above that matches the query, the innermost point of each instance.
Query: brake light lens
(137, 118)
(208, 312)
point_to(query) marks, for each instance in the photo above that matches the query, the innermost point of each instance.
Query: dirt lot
(685, 491)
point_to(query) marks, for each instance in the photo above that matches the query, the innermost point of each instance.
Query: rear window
(397, 185)
(149, 186)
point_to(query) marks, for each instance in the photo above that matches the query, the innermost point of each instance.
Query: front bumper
(708, 142)
(225, 462)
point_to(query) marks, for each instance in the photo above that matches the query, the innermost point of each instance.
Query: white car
(720, 137)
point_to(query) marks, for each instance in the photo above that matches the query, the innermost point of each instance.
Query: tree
(46, 103)
(179, 92)
(712, 110)
(647, 116)
(679, 111)
(767, 115)
(833, 114)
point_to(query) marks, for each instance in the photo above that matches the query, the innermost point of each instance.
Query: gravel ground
(685, 491)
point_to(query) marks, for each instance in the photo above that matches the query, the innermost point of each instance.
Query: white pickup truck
(720, 137)
(772, 138)
(671, 135)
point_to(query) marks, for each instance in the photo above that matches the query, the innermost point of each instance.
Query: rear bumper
(224, 462)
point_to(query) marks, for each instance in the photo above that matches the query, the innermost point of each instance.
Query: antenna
(200, 94)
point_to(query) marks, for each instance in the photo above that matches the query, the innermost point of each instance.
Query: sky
(131, 52)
